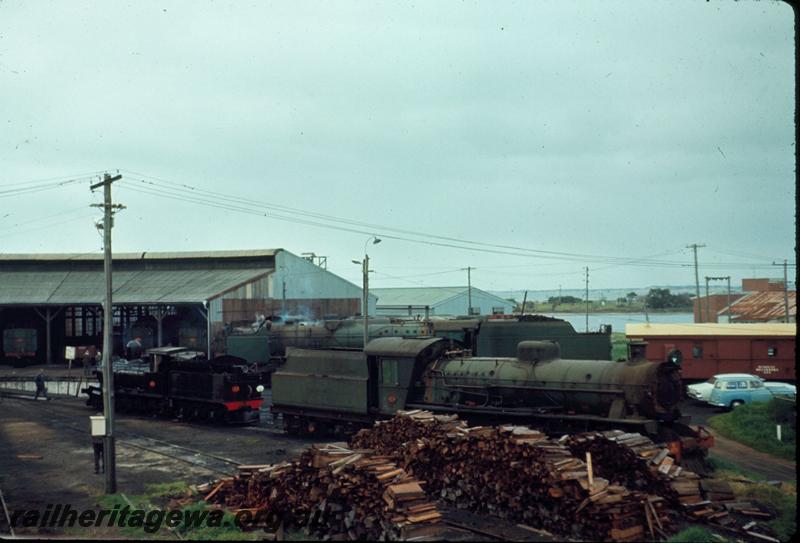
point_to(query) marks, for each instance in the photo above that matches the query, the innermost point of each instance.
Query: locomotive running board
(650, 425)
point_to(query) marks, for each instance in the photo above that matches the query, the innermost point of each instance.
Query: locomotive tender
(177, 382)
(343, 389)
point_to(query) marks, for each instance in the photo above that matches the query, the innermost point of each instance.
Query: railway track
(483, 528)
(5, 519)
(194, 457)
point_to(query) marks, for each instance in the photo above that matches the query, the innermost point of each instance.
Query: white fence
(55, 387)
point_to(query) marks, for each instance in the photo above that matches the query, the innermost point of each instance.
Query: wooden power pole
(109, 462)
(697, 282)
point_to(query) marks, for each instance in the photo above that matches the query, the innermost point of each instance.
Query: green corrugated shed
(130, 287)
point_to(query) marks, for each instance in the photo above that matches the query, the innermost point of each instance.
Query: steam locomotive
(342, 390)
(174, 381)
(267, 345)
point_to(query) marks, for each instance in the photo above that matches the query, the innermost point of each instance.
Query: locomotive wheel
(292, 425)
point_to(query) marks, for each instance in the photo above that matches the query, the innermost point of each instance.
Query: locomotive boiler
(539, 379)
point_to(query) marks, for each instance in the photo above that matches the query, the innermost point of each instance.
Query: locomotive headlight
(235, 389)
(260, 388)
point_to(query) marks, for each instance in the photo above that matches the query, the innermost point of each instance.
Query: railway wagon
(342, 390)
(708, 349)
(20, 346)
(173, 381)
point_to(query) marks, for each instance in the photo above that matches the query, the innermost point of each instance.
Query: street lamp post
(365, 291)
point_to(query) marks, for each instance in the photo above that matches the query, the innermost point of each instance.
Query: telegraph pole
(697, 281)
(469, 290)
(587, 298)
(708, 297)
(785, 288)
(729, 299)
(109, 462)
(366, 299)
(708, 301)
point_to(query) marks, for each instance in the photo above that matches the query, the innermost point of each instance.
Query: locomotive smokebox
(538, 351)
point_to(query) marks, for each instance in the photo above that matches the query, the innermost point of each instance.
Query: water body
(619, 320)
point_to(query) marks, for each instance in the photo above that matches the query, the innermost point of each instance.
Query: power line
(249, 207)
(86, 175)
(46, 226)
(197, 192)
(38, 188)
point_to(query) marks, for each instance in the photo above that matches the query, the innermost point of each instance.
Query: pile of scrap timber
(393, 434)
(633, 488)
(518, 474)
(634, 461)
(599, 486)
(331, 492)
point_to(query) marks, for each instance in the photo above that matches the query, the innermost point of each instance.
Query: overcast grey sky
(598, 129)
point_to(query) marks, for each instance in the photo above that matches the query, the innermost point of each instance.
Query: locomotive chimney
(538, 351)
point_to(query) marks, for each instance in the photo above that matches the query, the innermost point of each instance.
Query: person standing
(134, 348)
(40, 388)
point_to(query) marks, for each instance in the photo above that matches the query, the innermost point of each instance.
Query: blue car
(735, 390)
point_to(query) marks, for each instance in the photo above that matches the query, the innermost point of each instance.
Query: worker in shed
(134, 348)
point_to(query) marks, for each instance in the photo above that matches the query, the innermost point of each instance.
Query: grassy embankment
(754, 425)
(157, 498)
(748, 486)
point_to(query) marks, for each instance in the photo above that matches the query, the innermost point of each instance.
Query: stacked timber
(518, 474)
(634, 461)
(331, 492)
(600, 486)
(393, 434)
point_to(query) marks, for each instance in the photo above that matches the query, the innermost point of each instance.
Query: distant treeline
(656, 298)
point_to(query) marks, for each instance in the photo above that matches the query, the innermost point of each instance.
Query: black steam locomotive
(344, 389)
(174, 381)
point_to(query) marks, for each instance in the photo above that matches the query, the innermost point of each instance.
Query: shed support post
(159, 316)
(48, 318)
(206, 312)
(49, 346)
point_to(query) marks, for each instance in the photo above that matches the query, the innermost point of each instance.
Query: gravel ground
(46, 453)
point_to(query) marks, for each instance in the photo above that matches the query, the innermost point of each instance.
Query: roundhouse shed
(50, 301)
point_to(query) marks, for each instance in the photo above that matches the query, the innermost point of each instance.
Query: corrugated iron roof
(422, 296)
(147, 255)
(130, 287)
(710, 329)
(762, 307)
